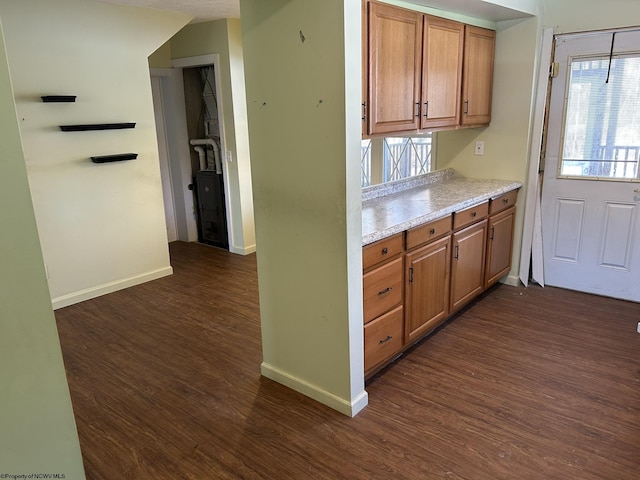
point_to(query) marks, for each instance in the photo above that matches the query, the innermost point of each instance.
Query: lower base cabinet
(499, 245)
(467, 264)
(383, 338)
(417, 279)
(427, 287)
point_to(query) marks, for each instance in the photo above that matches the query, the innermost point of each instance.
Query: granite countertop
(394, 207)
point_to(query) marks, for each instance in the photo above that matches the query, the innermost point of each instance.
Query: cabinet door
(427, 288)
(365, 65)
(441, 72)
(395, 53)
(499, 245)
(467, 264)
(477, 75)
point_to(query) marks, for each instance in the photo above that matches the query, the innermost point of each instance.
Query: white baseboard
(512, 280)
(346, 407)
(93, 292)
(243, 250)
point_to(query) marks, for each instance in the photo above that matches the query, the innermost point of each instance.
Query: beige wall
(37, 429)
(569, 16)
(101, 227)
(161, 58)
(224, 37)
(303, 99)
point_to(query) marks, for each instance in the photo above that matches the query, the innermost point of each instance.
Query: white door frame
(531, 238)
(163, 153)
(181, 136)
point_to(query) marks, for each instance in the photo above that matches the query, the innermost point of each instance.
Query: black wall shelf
(114, 158)
(96, 126)
(58, 98)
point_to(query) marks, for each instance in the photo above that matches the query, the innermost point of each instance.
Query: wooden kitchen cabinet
(477, 75)
(382, 289)
(427, 287)
(441, 72)
(383, 338)
(415, 280)
(468, 256)
(365, 65)
(502, 213)
(422, 72)
(499, 246)
(383, 295)
(395, 55)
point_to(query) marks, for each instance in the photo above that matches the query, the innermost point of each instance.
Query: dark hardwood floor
(523, 384)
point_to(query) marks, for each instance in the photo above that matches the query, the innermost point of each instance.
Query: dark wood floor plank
(523, 384)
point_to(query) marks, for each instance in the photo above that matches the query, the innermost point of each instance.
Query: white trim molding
(350, 408)
(93, 292)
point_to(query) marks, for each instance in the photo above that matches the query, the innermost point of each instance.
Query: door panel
(590, 221)
(618, 236)
(568, 229)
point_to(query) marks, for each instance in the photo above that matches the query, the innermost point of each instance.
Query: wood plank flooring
(523, 384)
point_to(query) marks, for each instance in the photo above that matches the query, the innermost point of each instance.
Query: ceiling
(206, 10)
(201, 10)
(485, 9)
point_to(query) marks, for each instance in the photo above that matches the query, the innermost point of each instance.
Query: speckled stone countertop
(397, 206)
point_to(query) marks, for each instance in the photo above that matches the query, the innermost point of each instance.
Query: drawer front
(381, 250)
(383, 338)
(429, 231)
(503, 202)
(382, 289)
(470, 215)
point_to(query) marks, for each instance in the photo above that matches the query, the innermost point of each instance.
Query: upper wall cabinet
(477, 84)
(423, 72)
(442, 49)
(395, 57)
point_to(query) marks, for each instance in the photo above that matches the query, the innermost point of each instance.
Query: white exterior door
(591, 189)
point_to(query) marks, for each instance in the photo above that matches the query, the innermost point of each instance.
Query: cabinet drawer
(381, 250)
(382, 289)
(383, 338)
(470, 215)
(427, 232)
(503, 202)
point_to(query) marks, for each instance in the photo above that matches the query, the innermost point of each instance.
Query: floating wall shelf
(58, 98)
(96, 126)
(114, 158)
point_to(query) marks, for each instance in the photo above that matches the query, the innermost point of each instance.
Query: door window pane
(602, 122)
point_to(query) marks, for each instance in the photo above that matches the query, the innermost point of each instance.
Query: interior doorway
(203, 127)
(191, 143)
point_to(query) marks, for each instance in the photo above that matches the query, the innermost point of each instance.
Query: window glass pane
(394, 158)
(406, 157)
(365, 163)
(602, 123)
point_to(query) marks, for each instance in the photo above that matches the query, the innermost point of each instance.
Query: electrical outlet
(479, 148)
(229, 157)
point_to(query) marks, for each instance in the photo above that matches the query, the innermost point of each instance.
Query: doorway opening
(203, 127)
(193, 155)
